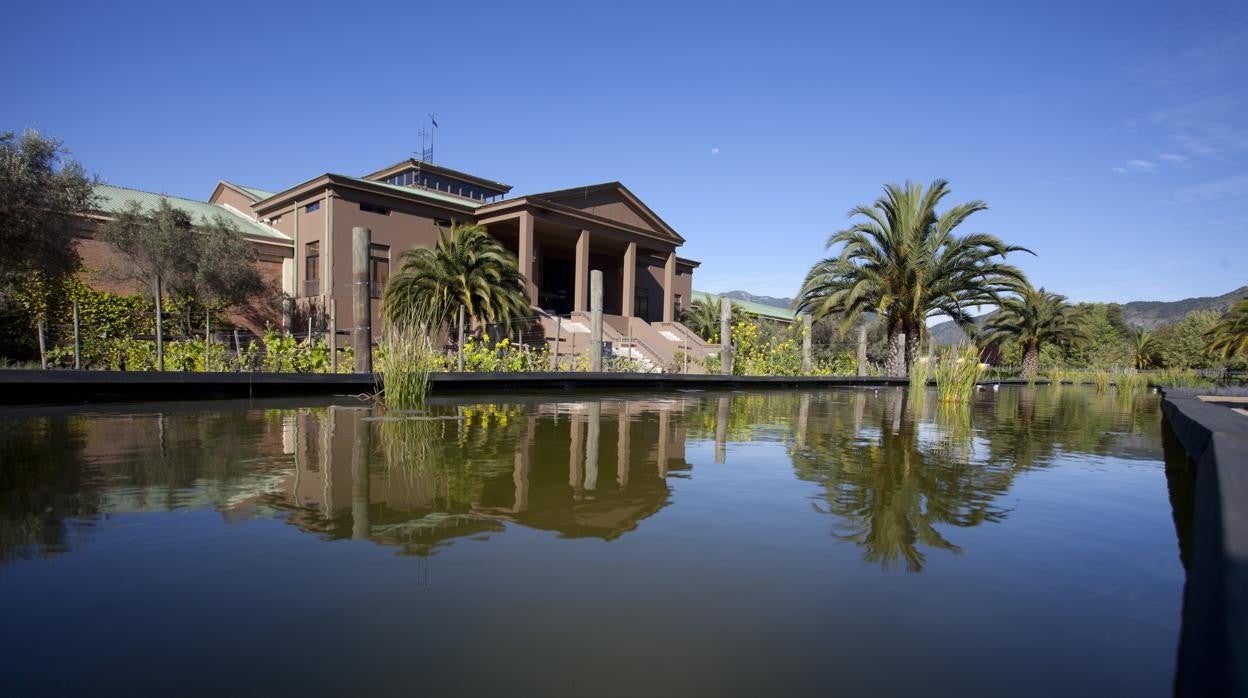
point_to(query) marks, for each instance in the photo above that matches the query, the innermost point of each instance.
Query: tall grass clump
(918, 376)
(956, 374)
(405, 362)
(1102, 381)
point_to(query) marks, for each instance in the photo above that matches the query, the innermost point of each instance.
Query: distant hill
(1148, 315)
(765, 300)
(1153, 314)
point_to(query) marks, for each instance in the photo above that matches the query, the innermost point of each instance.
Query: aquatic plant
(405, 361)
(956, 374)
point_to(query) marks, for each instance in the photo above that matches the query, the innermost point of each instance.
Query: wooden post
(862, 350)
(361, 307)
(160, 330)
(554, 360)
(238, 349)
(725, 335)
(43, 344)
(595, 320)
(333, 335)
(721, 429)
(309, 337)
(459, 343)
(808, 360)
(77, 339)
(361, 446)
(207, 339)
(288, 315)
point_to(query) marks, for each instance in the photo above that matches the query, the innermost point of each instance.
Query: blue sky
(1109, 137)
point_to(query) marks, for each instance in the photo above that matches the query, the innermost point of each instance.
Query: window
(677, 306)
(641, 303)
(314, 206)
(442, 222)
(378, 269)
(312, 269)
(373, 208)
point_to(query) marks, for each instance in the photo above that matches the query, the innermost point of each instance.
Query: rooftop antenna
(426, 146)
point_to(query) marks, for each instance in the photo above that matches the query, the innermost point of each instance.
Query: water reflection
(898, 478)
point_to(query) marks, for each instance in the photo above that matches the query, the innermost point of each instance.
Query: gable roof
(563, 196)
(413, 163)
(329, 179)
(111, 199)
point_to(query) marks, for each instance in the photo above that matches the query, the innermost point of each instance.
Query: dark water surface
(780, 543)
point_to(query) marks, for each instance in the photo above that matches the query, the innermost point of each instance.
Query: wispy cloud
(1172, 158)
(1136, 166)
(1226, 188)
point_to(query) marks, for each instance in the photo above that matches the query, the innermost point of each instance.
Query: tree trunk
(896, 363)
(1031, 361)
(160, 329)
(913, 337)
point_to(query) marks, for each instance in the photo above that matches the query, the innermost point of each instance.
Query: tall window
(641, 303)
(677, 306)
(379, 269)
(312, 269)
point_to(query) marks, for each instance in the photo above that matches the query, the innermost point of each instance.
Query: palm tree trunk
(1031, 361)
(896, 363)
(913, 337)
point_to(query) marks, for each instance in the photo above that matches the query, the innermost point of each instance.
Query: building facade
(304, 236)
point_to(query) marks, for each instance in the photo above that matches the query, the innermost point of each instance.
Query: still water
(778, 543)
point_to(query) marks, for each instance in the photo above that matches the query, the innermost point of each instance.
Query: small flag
(435, 121)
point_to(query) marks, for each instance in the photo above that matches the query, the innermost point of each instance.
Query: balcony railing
(312, 287)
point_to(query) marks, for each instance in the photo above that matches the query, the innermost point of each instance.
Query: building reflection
(898, 479)
(585, 469)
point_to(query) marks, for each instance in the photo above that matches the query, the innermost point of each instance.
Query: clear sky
(1109, 137)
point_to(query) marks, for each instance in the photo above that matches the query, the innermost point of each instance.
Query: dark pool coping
(1213, 649)
(35, 387)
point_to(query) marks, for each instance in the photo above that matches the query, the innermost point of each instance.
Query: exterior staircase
(659, 347)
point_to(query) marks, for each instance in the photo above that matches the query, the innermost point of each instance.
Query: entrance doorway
(555, 294)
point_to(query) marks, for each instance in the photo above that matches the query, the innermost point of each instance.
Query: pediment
(614, 202)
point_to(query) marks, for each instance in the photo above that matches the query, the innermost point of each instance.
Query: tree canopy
(1035, 317)
(903, 260)
(467, 268)
(42, 190)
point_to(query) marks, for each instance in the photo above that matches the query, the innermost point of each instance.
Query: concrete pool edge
(1213, 648)
(35, 387)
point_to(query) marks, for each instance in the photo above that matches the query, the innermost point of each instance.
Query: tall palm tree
(468, 269)
(1142, 345)
(903, 261)
(1035, 317)
(702, 317)
(1230, 335)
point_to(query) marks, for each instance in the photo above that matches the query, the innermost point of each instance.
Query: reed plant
(405, 363)
(957, 373)
(919, 374)
(1102, 380)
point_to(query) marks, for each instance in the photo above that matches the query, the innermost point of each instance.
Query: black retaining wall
(1213, 647)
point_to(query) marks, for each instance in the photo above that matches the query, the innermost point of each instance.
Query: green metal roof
(113, 199)
(435, 195)
(259, 194)
(769, 311)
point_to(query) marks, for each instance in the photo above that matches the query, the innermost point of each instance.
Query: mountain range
(765, 300)
(1148, 315)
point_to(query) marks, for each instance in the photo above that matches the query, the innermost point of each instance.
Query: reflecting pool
(771, 543)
